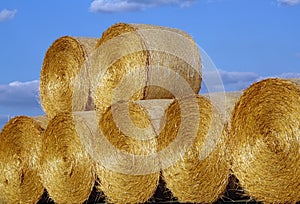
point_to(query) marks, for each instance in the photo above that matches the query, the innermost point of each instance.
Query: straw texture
(131, 51)
(64, 60)
(67, 171)
(198, 176)
(41, 120)
(265, 141)
(128, 187)
(296, 80)
(20, 148)
(224, 103)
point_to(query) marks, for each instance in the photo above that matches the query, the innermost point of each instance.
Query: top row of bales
(81, 73)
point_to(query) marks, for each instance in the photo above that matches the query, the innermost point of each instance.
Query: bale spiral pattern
(265, 140)
(195, 177)
(120, 187)
(20, 148)
(64, 60)
(67, 171)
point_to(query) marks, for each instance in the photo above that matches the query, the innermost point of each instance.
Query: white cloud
(115, 6)
(236, 81)
(111, 6)
(289, 75)
(19, 98)
(289, 2)
(238, 77)
(7, 14)
(19, 95)
(230, 81)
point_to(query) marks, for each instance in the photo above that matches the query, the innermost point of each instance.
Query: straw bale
(127, 187)
(265, 141)
(66, 58)
(201, 173)
(67, 170)
(20, 149)
(132, 51)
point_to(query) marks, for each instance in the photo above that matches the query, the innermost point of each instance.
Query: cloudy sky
(247, 39)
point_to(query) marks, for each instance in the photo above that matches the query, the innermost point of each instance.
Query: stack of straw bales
(126, 143)
(80, 72)
(66, 169)
(131, 52)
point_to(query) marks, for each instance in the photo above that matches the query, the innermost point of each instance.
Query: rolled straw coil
(66, 59)
(20, 148)
(134, 51)
(67, 170)
(265, 141)
(127, 187)
(201, 174)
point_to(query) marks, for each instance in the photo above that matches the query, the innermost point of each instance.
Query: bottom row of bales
(260, 145)
(68, 172)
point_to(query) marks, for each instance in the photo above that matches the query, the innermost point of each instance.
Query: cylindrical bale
(200, 175)
(129, 185)
(20, 149)
(66, 59)
(151, 58)
(67, 170)
(265, 141)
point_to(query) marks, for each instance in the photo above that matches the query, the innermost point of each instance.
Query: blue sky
(247, 39)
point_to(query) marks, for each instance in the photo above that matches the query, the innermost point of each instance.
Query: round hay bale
(265, 141)
(132, 51)
(67, 171)
(201, 174)
(66, 58)
(127, 187)
(20, 148)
